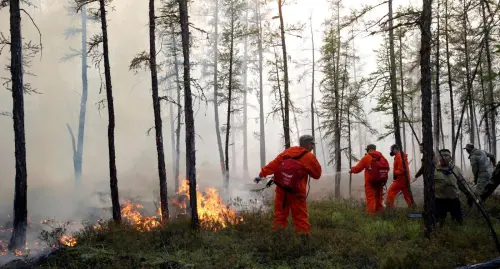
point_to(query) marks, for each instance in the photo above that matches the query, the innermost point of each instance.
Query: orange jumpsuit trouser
(373, 195)
(300, 216)
(398, 185)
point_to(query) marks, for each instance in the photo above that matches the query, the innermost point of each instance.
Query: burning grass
(213, 214)
(342, 237)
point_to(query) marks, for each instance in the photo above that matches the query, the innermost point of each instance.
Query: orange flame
(133, 216)
(212, 212)
(67, 240)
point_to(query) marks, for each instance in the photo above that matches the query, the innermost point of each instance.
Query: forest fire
(131, 214)
(213, 213)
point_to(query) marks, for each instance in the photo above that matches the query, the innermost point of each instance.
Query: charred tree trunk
(394, 97)
(111, 114)
(189, 116)
(491, 110)
(437, 97)
(230, 91)
(262, 138)
(450, 83)
(162, 173)
(216, 88)
(425, 67)
(286, 122)
(18, 239)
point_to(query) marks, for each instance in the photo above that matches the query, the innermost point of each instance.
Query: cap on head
(371, 147)
(469, 147)
(305, 140)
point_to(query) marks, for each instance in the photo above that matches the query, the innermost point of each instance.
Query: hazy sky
(48, 142)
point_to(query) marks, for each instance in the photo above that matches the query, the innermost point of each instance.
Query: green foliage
(342, 237)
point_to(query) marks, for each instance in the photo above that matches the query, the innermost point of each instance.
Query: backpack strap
(300, 155)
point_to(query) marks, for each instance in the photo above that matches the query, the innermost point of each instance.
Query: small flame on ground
(67, 240)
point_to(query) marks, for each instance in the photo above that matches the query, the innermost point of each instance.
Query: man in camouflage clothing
(481, 168)
(447, 188)
(493, 184)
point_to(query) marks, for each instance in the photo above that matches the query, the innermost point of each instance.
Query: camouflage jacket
(481, 164)
(446, 185)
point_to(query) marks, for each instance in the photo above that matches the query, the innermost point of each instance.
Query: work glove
(257, 179)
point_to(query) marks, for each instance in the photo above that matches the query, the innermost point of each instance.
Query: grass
(342, 237)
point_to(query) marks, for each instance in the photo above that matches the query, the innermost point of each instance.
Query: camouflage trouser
(483, 180)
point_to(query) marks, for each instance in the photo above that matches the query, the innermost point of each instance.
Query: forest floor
(342, 237)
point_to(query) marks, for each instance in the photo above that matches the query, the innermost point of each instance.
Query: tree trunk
(162, 173)
(488, 142)
(401, 78)
(286, 122)
(425, 67)
(413, 148)
(216, 89)
(189, 117)
(78, 158)
(296, 124)
(262, 137)
(492, 111)
(337, 126)
(437, 97)
(230, 91)
(467, 70)
(233, 143)
(245, 89)
(111, 114)
(18, 239)
(179, 111)
(394, 97)
(325, 163)
(312, 85)
(450, 83)
(477, 126)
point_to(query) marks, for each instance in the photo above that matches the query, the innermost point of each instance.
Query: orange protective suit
(295, 203)
(373, 192)
(399, 184)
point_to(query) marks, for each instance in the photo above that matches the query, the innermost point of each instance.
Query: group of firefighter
(292, 167)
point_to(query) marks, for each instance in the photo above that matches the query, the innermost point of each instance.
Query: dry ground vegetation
(342, 237)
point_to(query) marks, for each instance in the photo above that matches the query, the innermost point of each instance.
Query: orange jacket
(365, 163)
(398, 167)
(308, 160)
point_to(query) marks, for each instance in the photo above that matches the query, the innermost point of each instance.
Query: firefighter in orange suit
(400, 183)
(296, 203)
(373, 190)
